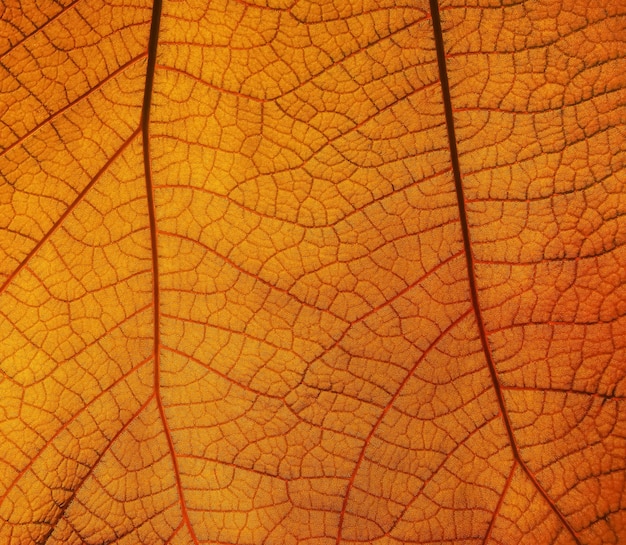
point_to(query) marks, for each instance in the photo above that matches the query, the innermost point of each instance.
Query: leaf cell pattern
(324, 272)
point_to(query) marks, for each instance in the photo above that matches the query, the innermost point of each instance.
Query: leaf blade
(313, 369)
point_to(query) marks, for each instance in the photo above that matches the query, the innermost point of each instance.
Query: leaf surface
(297, 272)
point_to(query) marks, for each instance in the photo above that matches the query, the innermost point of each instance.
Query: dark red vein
(456, 170)
(21, 139)
(145, 130)
(65, 426)
(496, 511)
(382, 416)
(67, 212)
(37, 30)
(435, 472)
(67, 501)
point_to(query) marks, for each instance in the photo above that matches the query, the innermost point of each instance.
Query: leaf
(312, 272)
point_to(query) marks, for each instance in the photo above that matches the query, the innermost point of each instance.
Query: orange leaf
(312, 272)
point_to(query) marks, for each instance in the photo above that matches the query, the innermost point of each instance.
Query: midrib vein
(458, 182)
(145, 130)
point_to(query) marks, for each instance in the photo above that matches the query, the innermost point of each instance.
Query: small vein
(567, 391)
(79, 198)
(37, 30)
(63, 427)
(382, 416)
(62, 110)
(83, 480)
(492, 522)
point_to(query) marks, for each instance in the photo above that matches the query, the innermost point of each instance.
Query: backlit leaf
(312, 272)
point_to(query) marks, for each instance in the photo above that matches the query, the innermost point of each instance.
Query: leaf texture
(312, 272)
